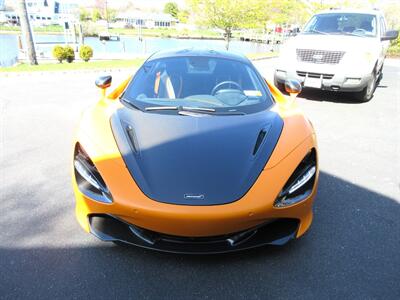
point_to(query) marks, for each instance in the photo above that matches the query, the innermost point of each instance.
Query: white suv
(338, 50)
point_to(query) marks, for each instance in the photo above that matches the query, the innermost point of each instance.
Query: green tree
(172, 9)
(84, 14)
(228, 15)
(290, 12)
(183, 16)
(96, 15)
(392, 14)
(112, 14)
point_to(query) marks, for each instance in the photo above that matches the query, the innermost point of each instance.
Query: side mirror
(293, 88)
(104, 82)
(390, 35)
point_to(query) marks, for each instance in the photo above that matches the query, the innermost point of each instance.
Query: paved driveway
(351, 251)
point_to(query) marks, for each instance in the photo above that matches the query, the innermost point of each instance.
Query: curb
(83, 71)
(20, 74)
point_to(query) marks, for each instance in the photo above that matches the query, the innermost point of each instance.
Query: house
(146, 20)
(46, 12)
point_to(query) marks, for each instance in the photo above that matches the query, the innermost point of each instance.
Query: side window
(383, 26)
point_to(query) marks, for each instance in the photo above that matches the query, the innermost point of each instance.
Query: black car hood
(191, 160)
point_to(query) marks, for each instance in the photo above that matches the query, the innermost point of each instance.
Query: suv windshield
(198, 84)
(343, 23)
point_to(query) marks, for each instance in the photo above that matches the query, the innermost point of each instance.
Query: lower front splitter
(275, 232)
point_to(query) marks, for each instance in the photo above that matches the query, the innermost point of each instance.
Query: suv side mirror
(390, 35)
(293, 88)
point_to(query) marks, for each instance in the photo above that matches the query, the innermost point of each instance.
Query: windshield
(200, 84)
(343, 23)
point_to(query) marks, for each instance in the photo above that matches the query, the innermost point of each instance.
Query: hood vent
(130, 132)
(260, 139)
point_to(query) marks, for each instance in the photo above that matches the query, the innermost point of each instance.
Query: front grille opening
(315, 75)
(272, 232)
(319, 56)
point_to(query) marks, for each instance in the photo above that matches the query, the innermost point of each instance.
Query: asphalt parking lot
(351, 250)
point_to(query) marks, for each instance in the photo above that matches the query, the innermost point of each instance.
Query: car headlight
(300, 184)
(88, 177)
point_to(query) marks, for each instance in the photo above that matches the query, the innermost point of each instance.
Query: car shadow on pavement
(351, 250)
(330, 96)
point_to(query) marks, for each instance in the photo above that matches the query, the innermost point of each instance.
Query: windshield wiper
(198, 109)
(180, 108)
(213, 113)
(151, 108)
(316, 31)
(130, 104)
(230, 113)
(352, 33)
(186, 110)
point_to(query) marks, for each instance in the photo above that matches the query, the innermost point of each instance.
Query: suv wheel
(368, 92)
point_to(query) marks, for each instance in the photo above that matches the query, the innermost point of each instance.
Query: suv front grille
(314, 75)
(319, 56)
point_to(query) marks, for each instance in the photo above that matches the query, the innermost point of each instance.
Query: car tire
(368, 92)
(380, 76)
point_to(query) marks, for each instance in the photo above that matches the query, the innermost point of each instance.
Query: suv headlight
(88, 177)
(300, 184)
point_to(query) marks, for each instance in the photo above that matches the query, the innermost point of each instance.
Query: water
(8, 50)
(127, 47)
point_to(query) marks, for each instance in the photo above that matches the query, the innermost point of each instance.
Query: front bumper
(274, 232)
(332, 78)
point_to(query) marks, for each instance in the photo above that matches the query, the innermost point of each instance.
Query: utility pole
(106, 14)
(27, 32)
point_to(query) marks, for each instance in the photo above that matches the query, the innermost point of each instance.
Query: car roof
(351, 11)
(201, 52)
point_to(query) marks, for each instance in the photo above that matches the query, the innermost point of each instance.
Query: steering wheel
(215, 89)
(360, 30)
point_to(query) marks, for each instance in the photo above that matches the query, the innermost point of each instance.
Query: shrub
(91, 29)
(85, 52)
(69, 54)
(59, 53)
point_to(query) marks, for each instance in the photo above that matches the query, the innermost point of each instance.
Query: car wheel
(380, 76)
(368, 92)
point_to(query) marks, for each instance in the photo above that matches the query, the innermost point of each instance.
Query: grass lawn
(41, 29)
(80, 65)
(261, 55)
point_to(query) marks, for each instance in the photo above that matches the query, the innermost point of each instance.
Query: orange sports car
(195, 153)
